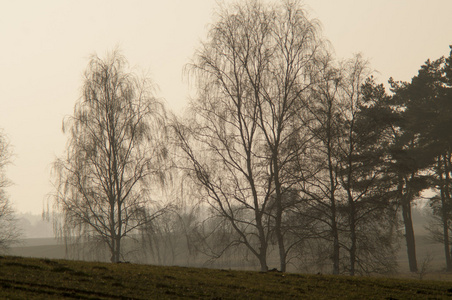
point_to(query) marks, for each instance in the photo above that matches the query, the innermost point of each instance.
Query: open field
(32, 278)
(39, 247)
(432, 253)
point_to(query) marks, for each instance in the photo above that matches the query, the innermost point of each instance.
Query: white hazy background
(45, 46)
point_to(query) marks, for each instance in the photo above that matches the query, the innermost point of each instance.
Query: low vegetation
(31, 278)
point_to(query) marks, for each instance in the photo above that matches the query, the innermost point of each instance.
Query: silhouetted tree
(429, 109)
(114, 157)
(251, 73)
(343, 173)
(318, 175)
(410, 151)
(296, 45)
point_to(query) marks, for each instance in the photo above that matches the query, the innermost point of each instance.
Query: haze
(46, 46)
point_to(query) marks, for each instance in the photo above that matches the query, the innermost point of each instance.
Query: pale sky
(45, 46)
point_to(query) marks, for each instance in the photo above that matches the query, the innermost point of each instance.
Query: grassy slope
(27, 278)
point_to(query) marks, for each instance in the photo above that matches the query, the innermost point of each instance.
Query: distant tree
(115, 156)
(9, 232)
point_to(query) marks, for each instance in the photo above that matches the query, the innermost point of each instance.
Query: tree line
(286, 155)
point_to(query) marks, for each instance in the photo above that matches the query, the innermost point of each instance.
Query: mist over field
(237, 135)
(39, 241)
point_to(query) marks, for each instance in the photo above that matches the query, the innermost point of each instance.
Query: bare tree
(226, 167)
(9, 232)
(114, 157)
(319, 176)
(250, 73)
(295, 47)
(227, 162)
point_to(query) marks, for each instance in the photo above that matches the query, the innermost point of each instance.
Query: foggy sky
(45, 46)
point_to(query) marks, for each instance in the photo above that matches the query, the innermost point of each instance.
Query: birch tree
(114, 157)
(250, 73)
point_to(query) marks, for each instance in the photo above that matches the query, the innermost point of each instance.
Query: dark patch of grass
(162, 285)
(62, 269)
(80, 274)
(49, 262)
(117, 284)
(234, 286)
(25, 266)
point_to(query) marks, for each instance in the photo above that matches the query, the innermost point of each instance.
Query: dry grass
(28, 278)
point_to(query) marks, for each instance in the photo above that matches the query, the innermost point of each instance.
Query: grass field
(33, 278)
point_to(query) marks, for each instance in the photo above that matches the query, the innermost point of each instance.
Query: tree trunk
(334, 227)
(116, 256)
(336, 246)
(279, 212)
(332, 187)
(115, 249)
(264, 267)
(351, 211)
(409, 233)
(282, 250)
(352, 237)
(446, 235)
(262, 254)
(112, 238)
(445, 199)
(263, 259)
